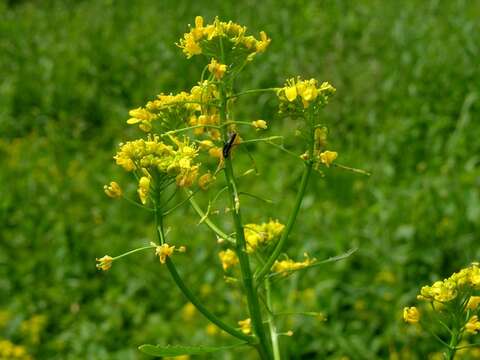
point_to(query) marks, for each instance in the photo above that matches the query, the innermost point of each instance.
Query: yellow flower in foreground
(113, 190)
(246, 326)
(143, 188)
(473, 325)
(473, 302)
(259, 234)
(327, 157)
(411, 315)
(291, 93)
(163, 251)
(228, 258)
(218, 70)
(259, 124)
(104, 263)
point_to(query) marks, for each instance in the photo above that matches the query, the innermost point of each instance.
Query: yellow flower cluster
(166, 109)
(9, 350)
(327, 157)
(113, 190)
(473, 325)
(284, 267)
(104, 263)
(202, 36)
(448, 289)
(260, 234)
(153, 156)
(411, 315)
(228, 258)
(218, 70)
(307, 91)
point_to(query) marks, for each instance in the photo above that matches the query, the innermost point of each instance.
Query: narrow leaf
(177, 350)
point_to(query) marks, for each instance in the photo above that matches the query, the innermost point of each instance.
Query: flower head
(163, 251)
(327, 157)
(246, 326)
(104, 263)
(218, 70)
(228, 258)
(284, 267)
(259, 124)
(473, 325)
(411, 315)
(304, 92)
(261, 234)
(113, 190)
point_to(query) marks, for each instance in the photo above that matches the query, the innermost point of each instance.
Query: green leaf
(177, 350)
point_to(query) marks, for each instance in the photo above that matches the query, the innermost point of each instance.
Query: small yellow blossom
(473, 325)
(259, 124)
(307, 91)
(327, 157)
(246, 326)
(228, 258)
(218, 70)
(260, 234)
(143, 117)
(205, 181)
(473, 302)
(291, 93)
(113, 190)
(143, 189)
(411, 315)
(188, 311)
(284, 267)
(104, 263)
(211, 329)
(163, 251)
(216, 152)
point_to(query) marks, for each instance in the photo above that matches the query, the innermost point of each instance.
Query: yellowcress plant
(450, 310)
(191, 143)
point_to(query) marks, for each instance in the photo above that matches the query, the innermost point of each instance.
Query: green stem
(252, 91)
(452, 347)
(271, 322)
(189, 294)
(291, 221)
(207, 221)
(133, 252)
(241, 247)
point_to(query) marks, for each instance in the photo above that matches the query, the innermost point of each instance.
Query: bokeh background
(407, 109)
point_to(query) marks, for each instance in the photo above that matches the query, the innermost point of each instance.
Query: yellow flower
(327, 157)
(188, 311)
(259, 234)
(228, 258)
(104, 263)
(205, 181)
(218, 70)
(163, 251)
(246, 326)
(284, 267)
(411, 315)
(143, 189)
(291, 93)
(143, 117)
(259, 124)
(113, 190)
(216, 152)
(473, 302)
(473, 325)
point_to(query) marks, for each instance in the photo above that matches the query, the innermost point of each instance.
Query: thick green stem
(189, 294)
(288, 228)
(452, 348)
(241, 247)
(271, 322)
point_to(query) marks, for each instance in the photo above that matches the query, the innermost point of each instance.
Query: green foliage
(407, 109)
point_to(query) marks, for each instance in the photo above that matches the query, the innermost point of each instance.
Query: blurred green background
(407, 109)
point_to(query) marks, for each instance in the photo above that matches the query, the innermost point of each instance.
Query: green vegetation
(407, 110)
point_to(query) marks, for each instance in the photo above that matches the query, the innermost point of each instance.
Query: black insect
(228, 145)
